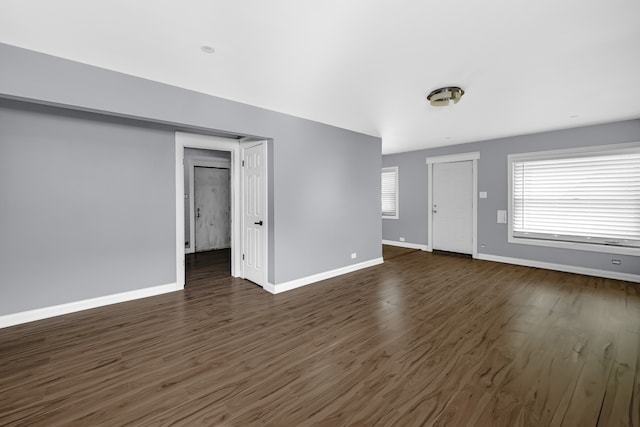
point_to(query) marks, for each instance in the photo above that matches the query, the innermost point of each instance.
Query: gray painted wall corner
(86, 207)
(492, 178)
(312, 168)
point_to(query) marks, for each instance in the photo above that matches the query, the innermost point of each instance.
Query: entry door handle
(258, 223)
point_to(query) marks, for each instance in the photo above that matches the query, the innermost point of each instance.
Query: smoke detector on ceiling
(442, 97)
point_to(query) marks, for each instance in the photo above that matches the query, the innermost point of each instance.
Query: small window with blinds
(586, 199)
(390, 193)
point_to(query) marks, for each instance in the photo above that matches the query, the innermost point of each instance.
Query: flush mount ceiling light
(207, 49)
(441, 97)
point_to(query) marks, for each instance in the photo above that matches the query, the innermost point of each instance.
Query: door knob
(258, 223)
(435, 211)
(198, 213)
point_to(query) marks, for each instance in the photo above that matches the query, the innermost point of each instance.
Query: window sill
(609, 249)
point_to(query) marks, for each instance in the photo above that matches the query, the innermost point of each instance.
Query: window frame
(397, 192)
(597, 150)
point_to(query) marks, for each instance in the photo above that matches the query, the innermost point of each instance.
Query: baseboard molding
(562, 267)
(406, 245)
(287, 286)
(270, 287)
(72, 307)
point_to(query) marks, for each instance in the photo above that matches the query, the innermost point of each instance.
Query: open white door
(254, 213)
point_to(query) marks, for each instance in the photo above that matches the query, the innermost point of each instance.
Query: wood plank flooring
(424, 339)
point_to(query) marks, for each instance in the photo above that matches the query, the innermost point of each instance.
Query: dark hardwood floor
(424, 339)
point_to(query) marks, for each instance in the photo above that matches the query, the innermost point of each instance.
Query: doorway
(210, 172)
(212, 208)
(452, 203)
(238, 231)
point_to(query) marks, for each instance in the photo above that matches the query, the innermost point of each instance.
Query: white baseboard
(562, 267)
(72, 307)
(303, 281)
(406, 245)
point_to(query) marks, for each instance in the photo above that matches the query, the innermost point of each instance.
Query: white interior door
(452, 207)
(254, 214)
(212, 208)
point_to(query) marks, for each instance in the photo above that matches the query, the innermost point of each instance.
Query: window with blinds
(389, 196)
(588, 197)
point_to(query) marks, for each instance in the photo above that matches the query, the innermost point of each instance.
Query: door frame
(462, 157)
(207, 142)
(194, 163)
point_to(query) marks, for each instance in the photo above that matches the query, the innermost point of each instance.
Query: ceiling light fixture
(441, 97)
(207, 49)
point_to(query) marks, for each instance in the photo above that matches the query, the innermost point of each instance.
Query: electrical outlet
(354, 255)
(483, 194)
(402, 239)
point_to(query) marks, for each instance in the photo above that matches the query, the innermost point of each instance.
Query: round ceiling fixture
(441, 97)
(207, 49)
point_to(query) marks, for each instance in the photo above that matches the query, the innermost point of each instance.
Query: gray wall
(196, 153)
(324, 187)
(492, 177)
(86, 207)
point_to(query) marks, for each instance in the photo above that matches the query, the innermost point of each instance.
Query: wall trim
(406, 245)
(72, 307)
(461, 157)
(303, 281)
(270, 287)
(607, 274)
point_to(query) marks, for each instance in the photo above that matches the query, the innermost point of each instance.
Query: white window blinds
(390, 192)
(588, 198)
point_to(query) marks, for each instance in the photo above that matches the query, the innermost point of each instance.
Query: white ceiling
(366, 65)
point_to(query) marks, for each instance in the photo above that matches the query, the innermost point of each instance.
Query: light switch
(483, 194)
(502, 217)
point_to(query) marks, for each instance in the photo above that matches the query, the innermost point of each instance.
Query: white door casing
(452, 207)
(431, 162)
(254, 213)
(212, 208)
(192, 140)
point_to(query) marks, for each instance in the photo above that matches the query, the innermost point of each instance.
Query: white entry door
(212, 208)
(452, 207)
(254, 214)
